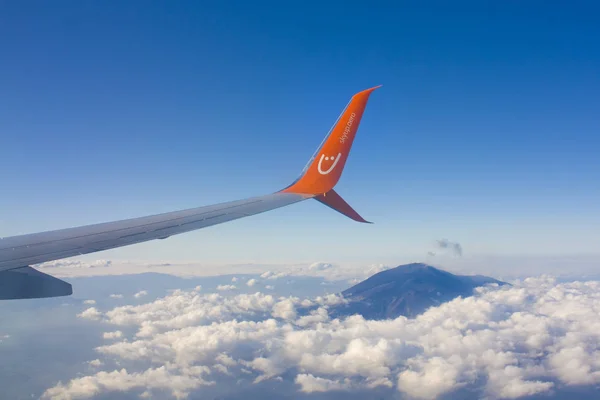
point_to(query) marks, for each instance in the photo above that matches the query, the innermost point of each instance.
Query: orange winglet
(335, 201)
(324, 169)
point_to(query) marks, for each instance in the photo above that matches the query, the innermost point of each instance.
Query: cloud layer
(78, 268)
(74, 264)
(504, 342)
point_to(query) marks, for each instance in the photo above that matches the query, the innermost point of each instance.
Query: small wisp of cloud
(445, 244)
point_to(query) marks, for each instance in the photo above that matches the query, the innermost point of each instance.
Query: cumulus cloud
(90, 313)
(285, 309)
(252, 282)
(112, 335)
(141, 293)
(320, 266)
(445, 244)
(226, 287)
(274, 275)
(116, 296)
(503, 342)
(309, 384)
(234, 279)
(89, 302)
(121, 380)
(96, 363)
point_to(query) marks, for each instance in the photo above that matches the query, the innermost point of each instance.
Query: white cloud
(154, 378)
(96, 363)
(184, 309)
(285, 309)
(234, 279)
(274, 275)
(252, 282)
(515, 341)
(316, 316)
(434, 377)
(226, 287)
(90, 313)
(320, 266)
(112, 335)
(141, 293)
(89, 302)
(330, 300)
(116, 296)
(309, 384)
(71, 264)
(269, 287)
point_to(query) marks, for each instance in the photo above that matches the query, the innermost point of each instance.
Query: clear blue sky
(486, 131)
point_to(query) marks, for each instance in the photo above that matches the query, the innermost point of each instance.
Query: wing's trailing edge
(29, 283)
(324, 169)
(333, 200)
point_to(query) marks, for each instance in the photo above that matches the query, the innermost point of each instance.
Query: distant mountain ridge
(406, 290)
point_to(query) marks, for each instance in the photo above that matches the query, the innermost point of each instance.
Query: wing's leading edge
(325, 167)
(19, 281)
(19, 251)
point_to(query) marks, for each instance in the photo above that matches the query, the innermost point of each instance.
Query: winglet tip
(333, 150)
(368, 91)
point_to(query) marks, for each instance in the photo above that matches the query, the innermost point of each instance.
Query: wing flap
(29, 283)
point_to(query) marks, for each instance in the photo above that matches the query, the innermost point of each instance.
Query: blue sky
(486, 130)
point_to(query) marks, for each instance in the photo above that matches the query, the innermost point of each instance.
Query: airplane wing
(18, 280)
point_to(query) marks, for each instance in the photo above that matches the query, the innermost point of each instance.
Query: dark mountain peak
(401, 277)
(407, 290)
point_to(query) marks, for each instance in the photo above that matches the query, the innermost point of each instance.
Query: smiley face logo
(335, 160)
